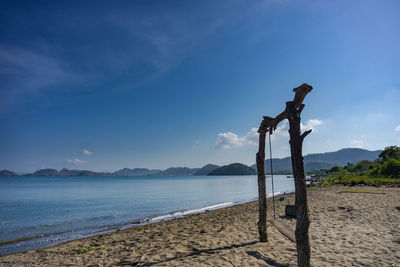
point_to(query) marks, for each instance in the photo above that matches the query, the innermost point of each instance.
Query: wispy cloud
(87, 152)
(142, 40)
(75, 161)
(166, 36)
(156, 40)
(397, 129)
(25, 73)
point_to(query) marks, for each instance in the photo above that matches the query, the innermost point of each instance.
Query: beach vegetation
(83, 250)
(334, 169)
(383, 171)
(361, 166)
(346, 178)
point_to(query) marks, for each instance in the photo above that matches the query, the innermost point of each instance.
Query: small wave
(185, 212)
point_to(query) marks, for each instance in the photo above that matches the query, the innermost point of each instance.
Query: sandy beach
(347, 229)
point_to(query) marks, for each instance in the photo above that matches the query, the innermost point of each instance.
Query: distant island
(206, 169)
(281, 166)
(233, 169)
(7, 173)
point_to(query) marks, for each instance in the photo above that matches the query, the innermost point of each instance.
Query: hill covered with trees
(233, 169)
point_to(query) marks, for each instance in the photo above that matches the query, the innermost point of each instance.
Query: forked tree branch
(305, 134)
(277, 120)
(300, 94)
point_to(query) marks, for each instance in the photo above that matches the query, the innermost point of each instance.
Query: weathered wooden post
(292, 113)
(262, 197)
(303, 222)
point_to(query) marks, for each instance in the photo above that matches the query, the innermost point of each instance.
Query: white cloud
(397, 129)
(283, 128)
(251, 138)
(75, 161)
(229, 139)
(281, 131)
(357, 143)
(310, 125)
(87, 152)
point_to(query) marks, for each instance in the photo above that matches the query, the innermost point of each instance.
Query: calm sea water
(41, 211)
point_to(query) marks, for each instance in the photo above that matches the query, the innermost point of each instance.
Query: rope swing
(292, 114)
(278, 224)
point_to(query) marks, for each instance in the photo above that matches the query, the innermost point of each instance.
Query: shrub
(334, 169)
(391, 168)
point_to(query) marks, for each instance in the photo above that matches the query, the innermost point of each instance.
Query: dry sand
(347, 229)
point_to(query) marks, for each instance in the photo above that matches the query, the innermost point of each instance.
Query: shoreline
(346, 229)
(106, 229)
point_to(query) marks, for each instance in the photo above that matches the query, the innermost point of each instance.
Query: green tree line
(384, 170)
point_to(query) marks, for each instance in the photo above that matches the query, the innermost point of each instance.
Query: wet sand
(347, 229)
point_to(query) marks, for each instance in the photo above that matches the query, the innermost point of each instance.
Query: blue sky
(106, 85)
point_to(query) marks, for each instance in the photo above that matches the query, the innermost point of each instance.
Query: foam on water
(187, 212)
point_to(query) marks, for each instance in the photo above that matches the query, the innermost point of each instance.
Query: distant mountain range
(283, 165)
(66, 172)
(136, 172)
(178, 171)
(322, 160)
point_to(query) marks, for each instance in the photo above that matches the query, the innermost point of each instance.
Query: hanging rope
(272, 173)
(278, 224)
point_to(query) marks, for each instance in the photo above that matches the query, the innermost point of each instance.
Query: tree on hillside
(390, 152)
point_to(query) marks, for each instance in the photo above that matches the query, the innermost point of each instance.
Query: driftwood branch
(300, 94)
(305, 134)
(277, 120)
(300, 109)
(292, 113)
(265, 124)
(262, 195)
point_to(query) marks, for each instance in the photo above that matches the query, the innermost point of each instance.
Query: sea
(37, 212)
